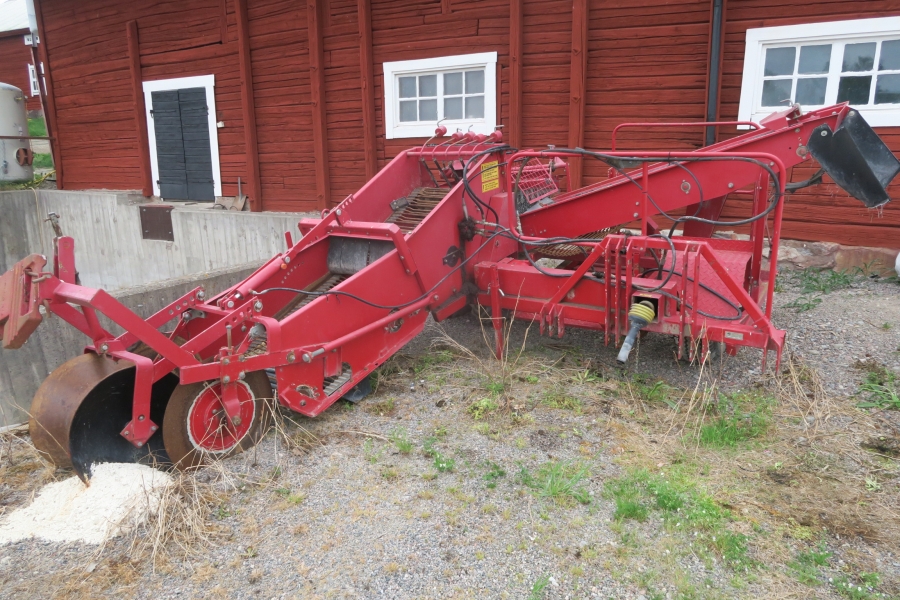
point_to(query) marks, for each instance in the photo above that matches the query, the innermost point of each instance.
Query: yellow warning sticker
(490, 176)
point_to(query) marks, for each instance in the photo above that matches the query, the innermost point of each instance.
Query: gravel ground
(350, 516)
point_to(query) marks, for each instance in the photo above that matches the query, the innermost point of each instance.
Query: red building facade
(16, 66)
(299, 88)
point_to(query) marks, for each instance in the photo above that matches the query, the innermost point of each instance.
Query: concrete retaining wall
(212, 247)
(54, 342)
(110, 252)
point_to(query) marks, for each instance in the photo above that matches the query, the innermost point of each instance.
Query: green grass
(442, 463)
(559, 481)
(538, 587)
(37, 127)
(814, 283)
(558, 398)
(805, 567)
(737, 419)
(43, 161)
(863, 588)
(881, 389)
(401, 440)
(494, 472)
(683, 506)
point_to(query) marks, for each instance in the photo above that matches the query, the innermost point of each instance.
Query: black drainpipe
(715, 70)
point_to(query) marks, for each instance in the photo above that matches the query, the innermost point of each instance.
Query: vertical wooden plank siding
(317, 92)
(140, 110)
(50, 105)
(515, 73)
(577, 74)
(367, 83)
(248, 107)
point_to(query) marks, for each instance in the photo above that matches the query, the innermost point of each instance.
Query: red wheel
(196, 427)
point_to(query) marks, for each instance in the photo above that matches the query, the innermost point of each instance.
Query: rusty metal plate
(156, 223)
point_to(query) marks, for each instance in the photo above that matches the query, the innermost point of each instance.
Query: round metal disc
(80, 409)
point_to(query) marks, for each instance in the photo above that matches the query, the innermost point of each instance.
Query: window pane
(408, 111)
(854, 90)
(887, 90)
(859, 57)
(428, 110)
(427, 86)
(811, 91)
(814, 59)
(474, 82)
(474, 107)
(408, 87)
(780, 61)
(776, 90)
(890, 56)
(453, 107)
(452, 84)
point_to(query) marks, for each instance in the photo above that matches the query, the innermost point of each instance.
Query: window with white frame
(820, 64)
(33, 79)
(458, 91)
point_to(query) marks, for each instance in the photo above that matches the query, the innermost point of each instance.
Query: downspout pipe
(715, 69)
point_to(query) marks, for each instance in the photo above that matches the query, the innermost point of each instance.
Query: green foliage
(682, 506)
(442, 463)
(806, 565)
(804, 303)
(863, 588)
(37, 127)
(482, 407)
(538, 587)
(814, 283)
(558, 398)
(881, 389)
(42, 161)
(738, 418)
(401, 440)
(560, 481)
(494, 472)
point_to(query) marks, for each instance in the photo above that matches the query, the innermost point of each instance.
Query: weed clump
(738, 418)
(559, 481)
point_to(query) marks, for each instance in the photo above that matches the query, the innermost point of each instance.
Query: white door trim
(165, 85)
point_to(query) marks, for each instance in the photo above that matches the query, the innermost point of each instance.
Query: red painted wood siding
(16, 57)
(824, 212)
(647, 61)
(88, 50)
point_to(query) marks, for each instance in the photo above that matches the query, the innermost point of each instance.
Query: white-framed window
(460, 91)
(820, 64)
(33, 79)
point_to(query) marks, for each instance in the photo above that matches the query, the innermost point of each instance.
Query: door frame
(167, 85)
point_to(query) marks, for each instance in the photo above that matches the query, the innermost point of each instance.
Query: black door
(183, 154)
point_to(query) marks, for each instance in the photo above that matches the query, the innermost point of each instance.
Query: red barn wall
(15, 57)
(823, 212)
(647, 61)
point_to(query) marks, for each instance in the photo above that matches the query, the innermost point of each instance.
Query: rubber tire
(182, 452)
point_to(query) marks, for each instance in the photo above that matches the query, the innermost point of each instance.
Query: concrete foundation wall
(110, 252)
(55, 341)
(214, 248)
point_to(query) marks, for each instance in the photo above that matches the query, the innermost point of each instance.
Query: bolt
(290, 357)
(287, 259)
(236, 421)
(226, 361)
(104, 348)
(436, 297)
(201, 295)
(226, 379)
(139, 444)
(230, 304)
(306, 357)
(402, 257)
(171, 311)
(126, 432)
(241, 375)
(257, 306)
(153, 428)
(824, 133)
(730, 185)
(797, 130)
(636, 215)
(338, 212)
(303, 403)
(140, 417)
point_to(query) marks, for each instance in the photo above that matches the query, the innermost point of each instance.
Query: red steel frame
(336, 334)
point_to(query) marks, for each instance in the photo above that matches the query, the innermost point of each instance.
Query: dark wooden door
(183, 153)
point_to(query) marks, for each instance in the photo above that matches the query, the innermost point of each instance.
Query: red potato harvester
(443, 225)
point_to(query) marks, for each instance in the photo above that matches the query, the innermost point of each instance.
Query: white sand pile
(119, 497)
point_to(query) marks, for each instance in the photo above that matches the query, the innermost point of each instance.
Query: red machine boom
(467, 220)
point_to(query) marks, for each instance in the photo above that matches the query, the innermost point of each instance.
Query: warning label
(490, 176)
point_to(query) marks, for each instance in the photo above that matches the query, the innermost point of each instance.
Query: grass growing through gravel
(683, 507)
(559, 481)
(815, 283)
(880, 388)
(806, 566)
(738, 418)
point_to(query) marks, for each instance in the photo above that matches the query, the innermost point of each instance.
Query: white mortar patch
(120, 497)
